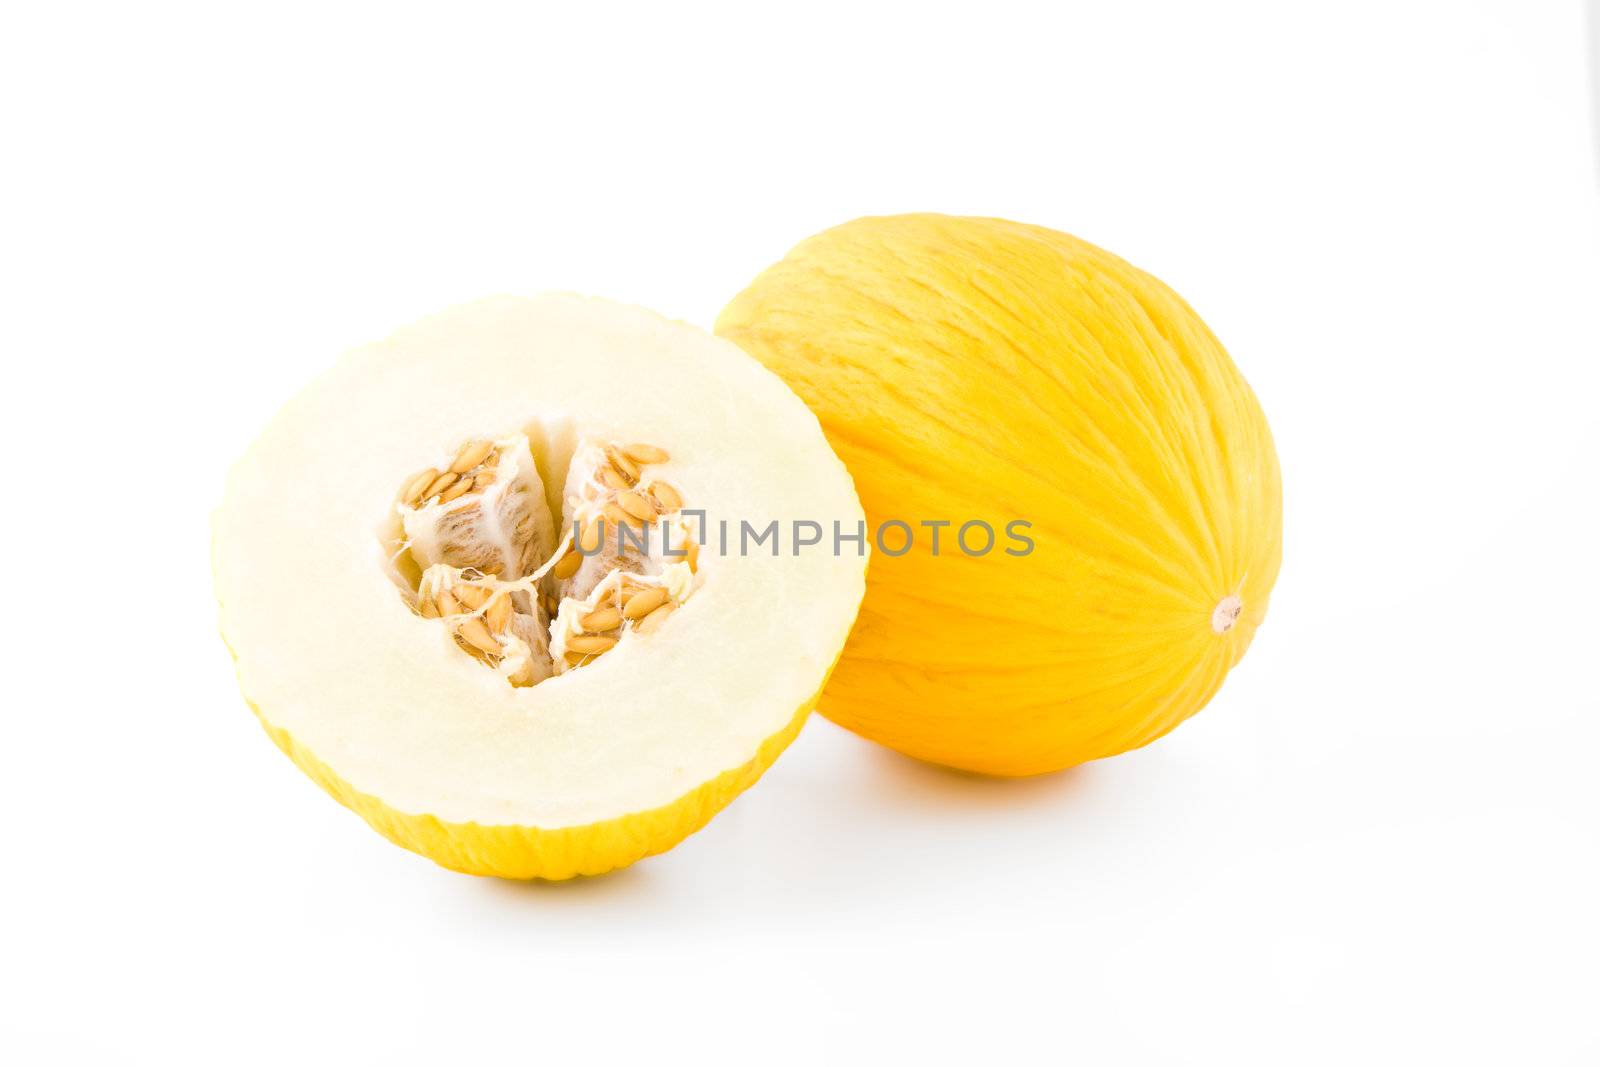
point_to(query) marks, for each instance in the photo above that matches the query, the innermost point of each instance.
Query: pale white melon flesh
(337, 663)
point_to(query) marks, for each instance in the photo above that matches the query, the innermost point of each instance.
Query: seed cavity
(509, 587)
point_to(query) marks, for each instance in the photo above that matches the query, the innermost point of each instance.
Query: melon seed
(601, 620)
(478, 635)
(456, 490)
(644, 603)
(636, 505)
(412, 494)
(643, 454)
(655, 618)
(666, 496)
(568, 566)
(438, 485)
(498, 614)
(590, 644)
(624, 465)
(472, 453)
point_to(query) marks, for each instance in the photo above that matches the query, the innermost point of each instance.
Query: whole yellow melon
(1105, 478)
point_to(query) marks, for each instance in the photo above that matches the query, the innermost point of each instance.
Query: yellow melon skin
(527, 852)
(979, 369)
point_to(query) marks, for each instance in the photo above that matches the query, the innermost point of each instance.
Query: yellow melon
(1107, 478)
(463, 578)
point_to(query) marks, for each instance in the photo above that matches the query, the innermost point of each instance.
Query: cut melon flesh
(585, 769)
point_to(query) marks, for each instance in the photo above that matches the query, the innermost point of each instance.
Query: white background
(1380, 843)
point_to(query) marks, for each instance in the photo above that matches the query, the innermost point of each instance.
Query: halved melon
(477, 582)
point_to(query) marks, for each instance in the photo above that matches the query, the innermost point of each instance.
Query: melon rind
(528, 852)
(982, 369)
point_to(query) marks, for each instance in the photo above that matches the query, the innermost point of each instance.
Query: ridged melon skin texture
(969, 368)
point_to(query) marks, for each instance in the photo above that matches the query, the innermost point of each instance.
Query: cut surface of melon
(431, 578)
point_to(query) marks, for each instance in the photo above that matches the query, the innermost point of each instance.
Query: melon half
(474, 587)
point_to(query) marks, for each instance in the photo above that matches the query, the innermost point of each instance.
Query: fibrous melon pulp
(472, 584)
(992, 376)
